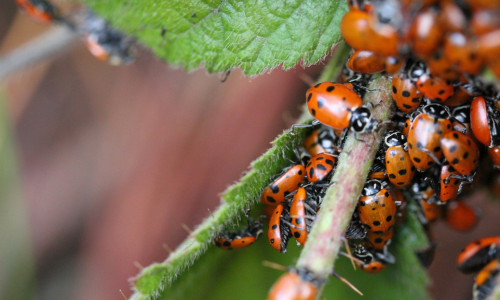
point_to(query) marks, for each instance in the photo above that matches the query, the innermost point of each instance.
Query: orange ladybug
(460, 151)
(405, 94)
(300, 225)
(461, 216)
(376, 207)
(320, 166)
(485, 280)
(287, 183)
(398, 164)
(237, 239)
(478, 253)
(366, 62)
(294, 285)
(279, 232)
(435, 88)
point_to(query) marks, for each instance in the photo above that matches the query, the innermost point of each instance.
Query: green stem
(325, 238)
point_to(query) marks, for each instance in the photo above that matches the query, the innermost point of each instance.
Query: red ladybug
(439, 65)
(320, 140)
(393, 65)
(405, 94)
(450, 183)
(435, 88)
(460, 151)
(494, 154)
(398, 164)
(463, 53)
(424, 138)
(460, 97)
(287, 183)
(370, 262)
(320, 166)
(295, 285)
(39, 10)
(485, 282)
(430, 210)
(484, 21)
(372, 266)
(376, 207)
(461, 216)
(300, 225)
(483, 116)
(426, 33)
(237, 239)
(378, 242)
(279, 232)
(406, 127)
(452, 17)
(478, 253)
(366, 62)
(338, 106)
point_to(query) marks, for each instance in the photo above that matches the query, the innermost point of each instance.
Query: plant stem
(325, 238)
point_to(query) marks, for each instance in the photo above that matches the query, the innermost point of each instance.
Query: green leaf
(256, 35)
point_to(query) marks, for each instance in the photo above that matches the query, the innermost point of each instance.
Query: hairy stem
(325, 239)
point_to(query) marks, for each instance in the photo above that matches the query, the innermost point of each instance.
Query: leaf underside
(256, 35)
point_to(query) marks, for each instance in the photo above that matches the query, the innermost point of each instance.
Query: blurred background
(101, 165)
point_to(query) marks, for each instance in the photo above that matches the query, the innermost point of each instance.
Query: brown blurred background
(112, 160)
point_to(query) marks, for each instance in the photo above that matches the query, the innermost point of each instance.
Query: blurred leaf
(256, 35)
(17, 263)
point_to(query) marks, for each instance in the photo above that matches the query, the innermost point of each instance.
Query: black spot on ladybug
(344, 99)
(454, 161)
(468, 142)
(392, 153)
(405, 94)
(451, 169)
(416, 159)
(362, 203)
(402, 158)
(466, 154)
(270, 199)
(376, 223)
(392, 176)
(378, 232)
(410, 145)
(300, 172)
(437, 149)
(455, 135)
(430, 163)
(321, 167)
(298, 221)
(394, 90)
(374, 208)
(453, 148)
(330, 88)
(378, 240)
(272, 241)
(439, 132)
(275, 188)
(287, 176)
(415, 100)
(317, 85)
(320, 158)
(402, 172)
(296, 234)
(401, 183)
(309, 97)
(388, 219)
(311, 173)
(274, 227)
(321, 102)
(226, 244)
(421, 119)
(368, 226)
(383, 205)
(386, 194)
(448, 126)
(441, 92)
(413, 169)
(374, 268)
(420, 145)
(329, 162)
(313, 112)
(406, 106)
(309, 164)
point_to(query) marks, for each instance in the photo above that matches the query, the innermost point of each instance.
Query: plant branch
(44, 46)
(325, 239)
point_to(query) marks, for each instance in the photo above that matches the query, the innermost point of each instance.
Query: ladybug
(426, 33)
(320, 140)
(338, 106)
(489, 45)
(435, 88)
(478, 254)
(485, 282)
(405, 94)
(393, 64)
(463, 53)
(461, 151)
(460, 97)
(426, 256)
(300, 225)
(320, 166)
(482, 116)
(406, 127)
(39, 10)
(430, 211)
(371, 266)
(366, 62)
(368, 261)
(376, 207)
(461, 121)
(278, 232)
(360, 31)
(451, 17)
(398, 164)
(287, 183)
(110, 46)
(378, 242)
(484, 21)
(237, 239)
(494, 154)
(424, 138)
(461, 216)
(439, 65)
(297, 284)
(450, 183)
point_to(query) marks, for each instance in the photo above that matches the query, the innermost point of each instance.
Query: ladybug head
(395, 138)
(360, 118)
(437, 111)
(462, 114)
(372, 187)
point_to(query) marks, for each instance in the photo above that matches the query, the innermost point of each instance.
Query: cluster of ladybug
(453, 38)
(102, 40)
(482, 257)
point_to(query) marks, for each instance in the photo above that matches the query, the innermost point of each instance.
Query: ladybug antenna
(314, 123)
(346, 282)
(272, 265)
(125, 297)
(225, 75)
(348, 249)
(166, 247)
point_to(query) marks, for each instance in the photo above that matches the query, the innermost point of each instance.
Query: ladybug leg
(428, 152)
(361, 140)
(334, 274)
(309, 209)
(225, 75)
(291, 225)
(314, 123)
